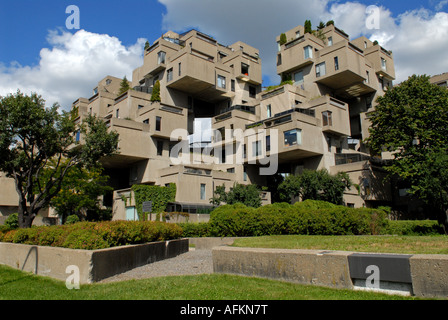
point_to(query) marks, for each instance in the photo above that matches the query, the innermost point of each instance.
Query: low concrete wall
(94, 265)
(209, 243)
(301, 266)
(423, 275)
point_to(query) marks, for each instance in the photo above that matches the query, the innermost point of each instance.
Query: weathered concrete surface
(209, 243)
(429, 275)
(322, 268)
(94, 265)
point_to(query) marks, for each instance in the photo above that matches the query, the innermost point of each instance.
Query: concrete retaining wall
(426, 275)
(94, 265)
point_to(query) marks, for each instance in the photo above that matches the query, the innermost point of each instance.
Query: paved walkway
(191, 263)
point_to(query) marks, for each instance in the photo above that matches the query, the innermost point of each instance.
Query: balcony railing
(345, 158)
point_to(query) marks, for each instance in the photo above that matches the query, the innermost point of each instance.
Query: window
(308, 52)
(245, 174)
(327, 119)
(117, 113)
(269, 111)
(203, 196)
(221, 82)
(161, 57)
(146, 121)
(180, 69)
(108, 82)
(320, 70)
(268, 143)
(330, 41)
(297, 34)
(279, 59)
(159, 148)
(232, 85)
(140, 107)
(245, 69)
(223, 155)
(367, 77)
(256, 148)
(252, 92)
(78, 136)
(293, 137)
(298, 78)
(383, 64)
(169, 75)
(244, 151)
(158, 123)
(336, 63)
(231, 170)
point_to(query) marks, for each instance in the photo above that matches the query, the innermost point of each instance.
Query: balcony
(343, 68)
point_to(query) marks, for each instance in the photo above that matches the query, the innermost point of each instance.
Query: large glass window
(256, 148)
(298, 78)
(308, 52)
(169, 75)
(161, 57)
(320, 70)
(383, 64)
(221, 82)
(293, 137)
(203, 191)
(327, 119)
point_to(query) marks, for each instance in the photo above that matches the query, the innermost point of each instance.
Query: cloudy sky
(38, 53)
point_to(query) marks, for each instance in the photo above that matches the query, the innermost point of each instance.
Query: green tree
(411, 120)
(316, 185)
(80, 192)
(283, 39)
(147, 45)
(32, 135)
(308, 26)
(248, 195)
(124, 86)
(155, 96)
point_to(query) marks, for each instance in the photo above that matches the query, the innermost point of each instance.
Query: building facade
(214, 124)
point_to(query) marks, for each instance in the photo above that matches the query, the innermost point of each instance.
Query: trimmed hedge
(93, 235)
(414, 228)
(308, 217)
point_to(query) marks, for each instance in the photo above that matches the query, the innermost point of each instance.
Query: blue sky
(38, 52)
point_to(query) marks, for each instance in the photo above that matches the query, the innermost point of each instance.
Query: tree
(283, 39)
(80, 192)
(155, 96)
(308, 26)
(124, 86)
(316, 185)
(33, 137)
(330, 23)
(248, 195)
(147, 45)
(410, 120)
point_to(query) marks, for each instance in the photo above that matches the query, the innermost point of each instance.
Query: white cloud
(72, 67)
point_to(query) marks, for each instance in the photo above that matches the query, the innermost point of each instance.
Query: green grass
(383, 244)
(17, 285)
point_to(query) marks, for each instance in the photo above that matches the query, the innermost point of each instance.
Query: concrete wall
(424, 275)
(94, 265)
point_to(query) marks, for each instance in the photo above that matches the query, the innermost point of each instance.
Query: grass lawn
(383, 244)
(17, 285)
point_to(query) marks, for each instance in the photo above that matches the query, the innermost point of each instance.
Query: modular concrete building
(215, 125)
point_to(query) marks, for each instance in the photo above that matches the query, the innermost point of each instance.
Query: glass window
(320, 70)
(327, 119)
(298, 78)
(330, 41)
(383, 64)
(232, 84)
(269, 111)
(161, 57)
(245, 69)
(159, 148)
(203, 191)
(256, 148)
(169, 75)
(293, 137)
(268, 143)
(336, 63)
(252, 92)
(221, 82)
(158, 123)
(308, 52)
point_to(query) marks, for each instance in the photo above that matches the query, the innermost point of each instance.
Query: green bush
(195, 230)
(91, 235)
(72, 219)
(309, 217)
(12, 222)
(414, 228)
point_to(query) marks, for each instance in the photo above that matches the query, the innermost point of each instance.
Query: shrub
(72, 219)
(196, 230)
(415, 228)
(12, 222)
(91, 235)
